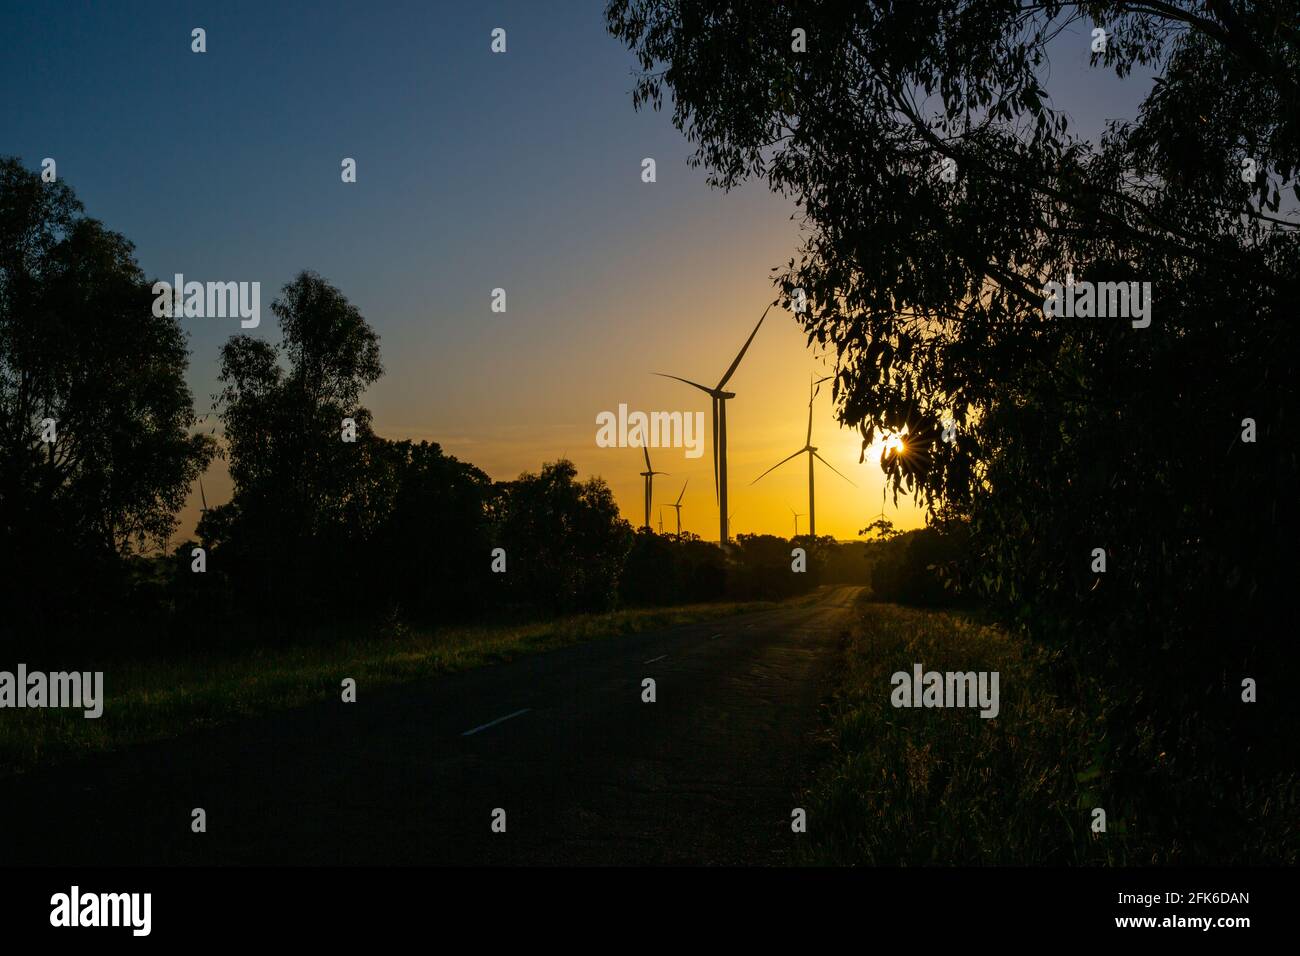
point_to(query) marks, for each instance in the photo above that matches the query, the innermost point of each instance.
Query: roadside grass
(155, 699)
(944, 786)
(916, 786)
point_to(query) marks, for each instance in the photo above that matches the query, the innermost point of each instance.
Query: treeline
(446, 545)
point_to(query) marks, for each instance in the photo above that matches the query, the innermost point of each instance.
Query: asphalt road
(586, 772)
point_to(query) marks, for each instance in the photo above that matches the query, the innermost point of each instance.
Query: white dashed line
(493, 723)
(715, 637)
(653, 659)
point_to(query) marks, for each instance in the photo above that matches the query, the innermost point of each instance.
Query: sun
(883, 442)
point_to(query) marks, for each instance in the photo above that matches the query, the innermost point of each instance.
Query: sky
(475, 171)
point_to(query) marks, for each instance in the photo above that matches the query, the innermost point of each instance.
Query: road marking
(715, 637)
(653, 659)
(493, 723)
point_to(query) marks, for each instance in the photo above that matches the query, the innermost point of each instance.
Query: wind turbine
(678, 506)
(661, 519)
(649, 476)
(719, 394)
(797, 516)
(811, 450)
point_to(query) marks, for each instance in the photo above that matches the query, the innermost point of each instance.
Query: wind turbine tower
(649, 476)
(719, 396)
(678, 507)
(811, 451)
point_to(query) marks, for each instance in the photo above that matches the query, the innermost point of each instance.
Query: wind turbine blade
(777, 465)
(679, 497)
(732, 371)
(203, 495)
(702, 388)
(813, 391)
(646, 450)
(831, 467)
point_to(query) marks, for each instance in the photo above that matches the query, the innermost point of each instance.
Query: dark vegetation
(941, 786)
(1069, 434)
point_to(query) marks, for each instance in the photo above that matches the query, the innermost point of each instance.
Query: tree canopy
(86, 363)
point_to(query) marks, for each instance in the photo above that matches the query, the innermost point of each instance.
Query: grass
(917, 786)
(155, 699)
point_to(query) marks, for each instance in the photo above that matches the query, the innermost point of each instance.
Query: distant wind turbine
(811, 451)
(719, 394)
(678, 506)
(797, 516)
(649, 476)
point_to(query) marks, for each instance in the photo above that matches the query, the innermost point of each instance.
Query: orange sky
(508, 392)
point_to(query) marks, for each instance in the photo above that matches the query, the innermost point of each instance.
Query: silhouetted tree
(80, 345)
(302, 493)
(908, 568)
(762, 567)
(565, 542)
(882, 529)
(650, 574)
(430, 555)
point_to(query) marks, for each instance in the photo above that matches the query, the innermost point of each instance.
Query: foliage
(299, 488)
(79, 344)
(909, 568)
(944, 786)
(564, 540)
